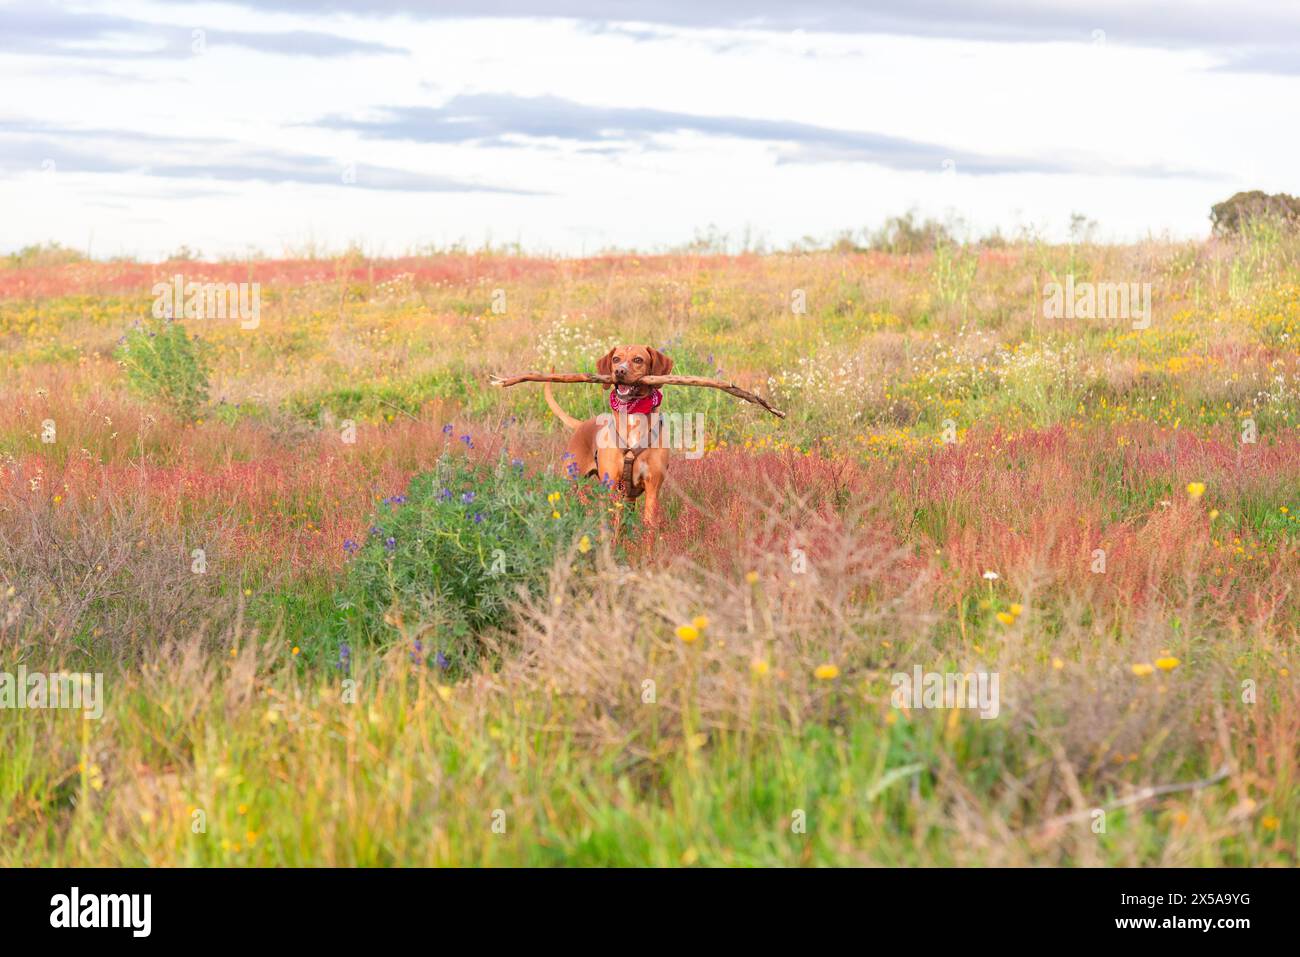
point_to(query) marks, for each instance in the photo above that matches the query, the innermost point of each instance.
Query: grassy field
(349, 609)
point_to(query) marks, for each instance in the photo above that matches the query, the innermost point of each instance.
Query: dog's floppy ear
(605, 364)
(660, 364)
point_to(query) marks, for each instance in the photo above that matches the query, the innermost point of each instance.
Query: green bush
(444, 562)
(43, 254)
(906, 235)
(162, 362)
(1237, 214)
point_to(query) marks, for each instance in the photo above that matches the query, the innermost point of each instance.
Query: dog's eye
(637, 359)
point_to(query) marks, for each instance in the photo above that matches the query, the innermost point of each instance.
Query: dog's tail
(563, 416)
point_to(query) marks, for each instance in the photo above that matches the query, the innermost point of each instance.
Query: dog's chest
(636, 431)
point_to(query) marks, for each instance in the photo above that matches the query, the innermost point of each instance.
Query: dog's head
(628, 364)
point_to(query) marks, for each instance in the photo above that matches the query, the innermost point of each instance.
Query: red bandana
(641, 406)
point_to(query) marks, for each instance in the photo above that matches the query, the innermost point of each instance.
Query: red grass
(118, 278)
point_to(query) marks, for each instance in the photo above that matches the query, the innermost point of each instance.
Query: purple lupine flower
(444, 495)
(376, 530)
(446, 429)
(467, 497)
(350, 546)
(390, 543)
(443, 663)
(478, 518)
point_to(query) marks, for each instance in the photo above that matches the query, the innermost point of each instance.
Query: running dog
(622, 449)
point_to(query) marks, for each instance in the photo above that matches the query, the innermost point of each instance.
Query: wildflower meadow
(1010, 584)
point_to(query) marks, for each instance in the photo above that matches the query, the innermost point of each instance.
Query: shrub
(445, 562)
(162, 362)
(47, 254)
(1234, 215)
(97, 574)
(906, 235)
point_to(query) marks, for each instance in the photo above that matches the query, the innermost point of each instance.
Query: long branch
(691, 380)
(1137, 797)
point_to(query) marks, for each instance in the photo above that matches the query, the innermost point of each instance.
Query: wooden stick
(1137, 797)
(505, 382)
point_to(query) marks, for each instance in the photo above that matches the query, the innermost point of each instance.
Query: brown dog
(620, 447)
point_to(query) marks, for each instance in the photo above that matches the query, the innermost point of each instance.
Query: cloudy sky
(572, 126)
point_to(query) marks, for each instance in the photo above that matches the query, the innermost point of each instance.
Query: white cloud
(630, 134)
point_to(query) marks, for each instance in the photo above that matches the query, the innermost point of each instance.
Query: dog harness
(642, 406)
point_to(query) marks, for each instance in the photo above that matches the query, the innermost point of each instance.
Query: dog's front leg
(609, 468)
(654, 479)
